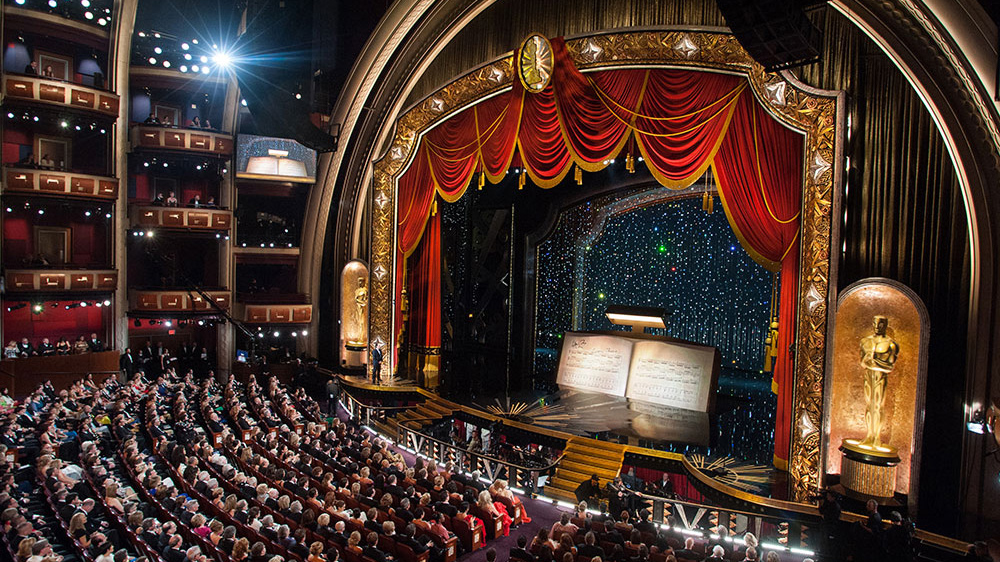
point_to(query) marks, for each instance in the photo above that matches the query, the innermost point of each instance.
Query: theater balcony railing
(196, 141)
(274, 313)
(52, 92)
(61, 280)
(181, 218)
(176, 301)
(36, 181)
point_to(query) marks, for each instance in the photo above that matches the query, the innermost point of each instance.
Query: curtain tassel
(521, 179)
(630, 163)
(578, 174)
(482, 180)
(707, 203)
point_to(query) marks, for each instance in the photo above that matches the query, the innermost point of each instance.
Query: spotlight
(260, 335)
(168, 323)
(195, 68)
(98, 304)
(52, 3)
(107, 215)
(41, 211)
(9, 210)
(187, 56)
(85, 3)
(185, 46)
(158, 51)
(86, 213)
(84, 304)
(88, 14)
(298, 96)
(37, 308)
(11, 115)
(203, 59)
(107, 302)
(204, 70)
(183, 68)
(201, 322)
(149, 234)
(20, 2)
(166, 64)
(152, 60)
(102, 21)
(276, 334)
(305, 332)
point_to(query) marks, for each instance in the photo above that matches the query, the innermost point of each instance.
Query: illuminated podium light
(637, 317)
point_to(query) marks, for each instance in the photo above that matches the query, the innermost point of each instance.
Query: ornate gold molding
(813, 112)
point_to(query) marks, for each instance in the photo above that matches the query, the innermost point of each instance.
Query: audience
(24, 348)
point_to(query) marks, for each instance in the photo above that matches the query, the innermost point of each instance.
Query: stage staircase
(423, 414)
(582, 458)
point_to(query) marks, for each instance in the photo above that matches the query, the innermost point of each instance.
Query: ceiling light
(185, 46)
(88, 14)
(152, 60)
(158, 51)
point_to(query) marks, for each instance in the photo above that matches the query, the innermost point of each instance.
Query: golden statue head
(880, 323)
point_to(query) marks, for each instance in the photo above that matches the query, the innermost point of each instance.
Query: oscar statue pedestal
(868, 471)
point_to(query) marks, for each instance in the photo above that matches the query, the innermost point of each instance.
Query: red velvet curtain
(682, 122)
(424, 267)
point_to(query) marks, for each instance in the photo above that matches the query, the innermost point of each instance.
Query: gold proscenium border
(816, 113)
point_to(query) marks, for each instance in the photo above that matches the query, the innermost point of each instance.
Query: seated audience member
(750, 555)
(47, 72)
(46, 162)
(563, 526)
(211, 202)
(63, 347)
(31, 68)
(25, 349)
(520, 552)
(94, 343)
(11, 351)
(718, 554)
(589, 547)
(80, 346)
(772, 556)
(372, 551)
(195, 123)
(171, 200)
(158, 200)
(207, 125)
(687, 552)
(46, 348)
(195, 201)
(151, 120)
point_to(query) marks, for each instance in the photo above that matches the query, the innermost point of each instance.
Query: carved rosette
(813, 112)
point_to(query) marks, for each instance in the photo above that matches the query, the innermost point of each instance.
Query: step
(565, 484)
(587, 450)
(574, 464)
(438, 407)
(582, 460)
(560, 494)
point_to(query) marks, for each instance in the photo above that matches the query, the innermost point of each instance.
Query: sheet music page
(671, 374)
(595, 363)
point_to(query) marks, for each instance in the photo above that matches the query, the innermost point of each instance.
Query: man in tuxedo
(95, 344)
(126, 363)
(339, 533)
(391, 487)
(25, 349)
(520, 552)
(174, 551)
(46, 348)
(589, 547)
(688, 551)
(371, 549)
(403, 511)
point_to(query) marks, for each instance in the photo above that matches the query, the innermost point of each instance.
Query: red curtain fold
(683, 122)
(425, 283)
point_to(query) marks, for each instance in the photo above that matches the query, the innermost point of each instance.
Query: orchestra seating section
(177, 470)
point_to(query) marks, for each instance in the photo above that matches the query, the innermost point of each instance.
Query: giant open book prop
(647, 369)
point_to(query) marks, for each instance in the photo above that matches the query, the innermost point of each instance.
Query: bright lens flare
(222, 59)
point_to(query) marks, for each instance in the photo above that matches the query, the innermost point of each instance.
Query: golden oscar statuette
(868, 465)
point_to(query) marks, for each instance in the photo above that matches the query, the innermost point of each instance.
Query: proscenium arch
(945, 46)
(814, 113)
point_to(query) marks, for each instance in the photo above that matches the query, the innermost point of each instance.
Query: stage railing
(524, 478)
(367, 414)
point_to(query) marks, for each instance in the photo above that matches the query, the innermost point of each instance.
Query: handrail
(492, 468)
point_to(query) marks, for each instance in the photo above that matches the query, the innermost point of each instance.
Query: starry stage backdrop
(660, 247)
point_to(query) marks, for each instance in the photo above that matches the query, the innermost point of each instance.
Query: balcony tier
(276, 313)
(60, 280)
(176, 301)
(181, 218)
(48, 91)
(54, 182)
(199, 141)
